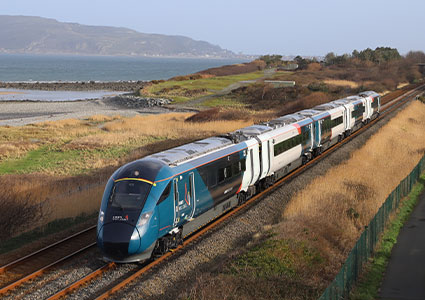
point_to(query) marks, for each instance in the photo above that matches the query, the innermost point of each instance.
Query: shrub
(318, 87)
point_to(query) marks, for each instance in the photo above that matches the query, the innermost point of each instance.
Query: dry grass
(402, 85)
(335, 208)
(337, 82)
(171, 126)
(10, 93)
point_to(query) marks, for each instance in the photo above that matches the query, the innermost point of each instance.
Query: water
(25, 67)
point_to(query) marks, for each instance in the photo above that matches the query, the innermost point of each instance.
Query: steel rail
(42, 270)
(82, 281)
(389, 107)
(16, 262)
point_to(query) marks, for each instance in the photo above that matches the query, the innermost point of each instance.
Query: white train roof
(328, 106)
(285, 120)
(369, 93)
(183, 153)
(249, 132)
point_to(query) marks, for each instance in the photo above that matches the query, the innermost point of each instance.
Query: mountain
(36, 35)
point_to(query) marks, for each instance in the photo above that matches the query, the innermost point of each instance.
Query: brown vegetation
(218, 114)
(236, 69)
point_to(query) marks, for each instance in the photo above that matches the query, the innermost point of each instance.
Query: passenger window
(166, 193)
(204, 176)
(212, 179)
(221, 174)
(236, 168)
(228, 172)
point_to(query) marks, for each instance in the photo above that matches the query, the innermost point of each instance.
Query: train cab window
(165, 194)
(128, 194)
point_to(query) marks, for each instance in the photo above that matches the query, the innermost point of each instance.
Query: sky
(301, 27)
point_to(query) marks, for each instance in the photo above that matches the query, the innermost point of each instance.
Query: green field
(180, 91)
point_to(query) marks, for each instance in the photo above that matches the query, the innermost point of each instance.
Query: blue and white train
(150, 204)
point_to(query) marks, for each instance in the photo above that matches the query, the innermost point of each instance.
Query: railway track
(35, 264)
(122, 282)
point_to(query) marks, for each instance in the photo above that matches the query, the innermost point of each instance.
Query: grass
(276, 258)
(184, 90)
(349, 83)
(74, 147)
(371, 279)
(228, 102)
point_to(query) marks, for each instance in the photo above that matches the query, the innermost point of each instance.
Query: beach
(16, 113)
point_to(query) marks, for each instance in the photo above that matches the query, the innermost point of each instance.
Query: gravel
(58, 278)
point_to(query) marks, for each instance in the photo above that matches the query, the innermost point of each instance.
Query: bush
(253, 66)
(318, 87)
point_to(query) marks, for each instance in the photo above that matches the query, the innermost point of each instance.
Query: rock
(137, 102)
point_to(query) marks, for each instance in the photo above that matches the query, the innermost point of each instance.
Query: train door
(264, 158)
(184, 198)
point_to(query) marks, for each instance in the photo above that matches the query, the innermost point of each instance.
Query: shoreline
(19, 113)
(117, 86)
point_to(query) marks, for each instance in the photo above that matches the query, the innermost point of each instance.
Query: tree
(272, 60)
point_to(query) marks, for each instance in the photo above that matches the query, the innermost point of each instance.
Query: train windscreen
(129, 194)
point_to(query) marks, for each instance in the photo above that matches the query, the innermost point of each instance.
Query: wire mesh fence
(347, 276)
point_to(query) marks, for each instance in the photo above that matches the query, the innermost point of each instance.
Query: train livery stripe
(298, 127)
(136, 179)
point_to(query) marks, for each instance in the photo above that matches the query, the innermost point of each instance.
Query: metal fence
(347, 276)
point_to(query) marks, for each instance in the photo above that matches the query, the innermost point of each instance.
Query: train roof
(369, 93)
(328, 106)
(183, 153)
(246, 133)
(286, 120)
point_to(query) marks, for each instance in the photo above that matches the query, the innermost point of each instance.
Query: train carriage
(329, 125)
(151, 203)
(355, 112)
(374, 102)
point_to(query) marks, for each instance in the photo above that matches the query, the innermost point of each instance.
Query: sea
(25, 67)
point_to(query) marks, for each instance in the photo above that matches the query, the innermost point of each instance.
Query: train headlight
(135, 235)
(144, 218)
(101, 216)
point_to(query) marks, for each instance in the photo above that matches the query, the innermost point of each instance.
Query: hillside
(25, 34)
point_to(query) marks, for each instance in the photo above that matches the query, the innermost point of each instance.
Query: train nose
(120, 240)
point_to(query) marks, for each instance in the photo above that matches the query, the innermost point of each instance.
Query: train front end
(127, 227)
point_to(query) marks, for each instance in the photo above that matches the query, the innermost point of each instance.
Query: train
(151, 204)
